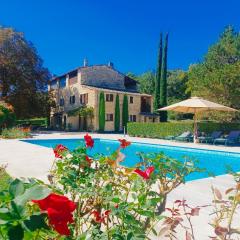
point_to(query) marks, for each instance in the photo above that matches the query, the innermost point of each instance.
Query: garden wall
(162, 130)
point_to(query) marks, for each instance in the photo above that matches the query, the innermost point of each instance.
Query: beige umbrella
(195, 105)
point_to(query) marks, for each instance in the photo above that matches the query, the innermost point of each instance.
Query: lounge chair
(231, 139)
(210, 139)
(186, 137)
(170, 137)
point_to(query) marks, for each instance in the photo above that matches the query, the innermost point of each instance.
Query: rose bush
(93, 197)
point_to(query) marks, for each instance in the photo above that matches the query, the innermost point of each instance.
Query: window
(132, 118)
(61, 103)
(84, 98)
(109, 97)
(53, 84)
(131, 99)
(109, 117)
(62, 82)
(72, 99)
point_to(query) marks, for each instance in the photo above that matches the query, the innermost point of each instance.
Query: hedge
(41, 122)
(162, 130)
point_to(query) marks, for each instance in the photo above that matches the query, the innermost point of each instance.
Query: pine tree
(158, 77)
(163, 82)
(117, 115)
(125, 112)
(101, 117)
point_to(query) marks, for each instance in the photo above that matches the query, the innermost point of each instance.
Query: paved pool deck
(29, 160)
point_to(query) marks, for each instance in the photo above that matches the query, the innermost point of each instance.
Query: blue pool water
(215, 162)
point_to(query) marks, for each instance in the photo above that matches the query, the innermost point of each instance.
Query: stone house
(81, 88)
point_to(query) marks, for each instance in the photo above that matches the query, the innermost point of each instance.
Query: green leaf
(145, 213)
(36, 222)
(16, 188)
(16, 210)
(82, 236)
(16, 232)
(154, 232)
(130, 236)
(5, 214)
(36, 192)
(2, 222)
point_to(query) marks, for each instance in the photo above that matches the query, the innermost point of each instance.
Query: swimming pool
(213, 161)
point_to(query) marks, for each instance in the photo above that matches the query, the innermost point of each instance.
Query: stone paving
(29, 160)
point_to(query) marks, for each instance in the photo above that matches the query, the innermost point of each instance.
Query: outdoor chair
(185, 137)
(231, 139)
(211, 138)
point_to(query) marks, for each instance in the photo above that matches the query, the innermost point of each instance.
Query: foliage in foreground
(104, 199)
(5, 179)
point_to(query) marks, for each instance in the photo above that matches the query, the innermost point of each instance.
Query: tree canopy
(23, 78)
(217, 77)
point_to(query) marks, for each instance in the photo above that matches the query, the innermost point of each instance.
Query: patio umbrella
(195, 105)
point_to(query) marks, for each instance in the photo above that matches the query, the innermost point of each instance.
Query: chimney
(85, 62)
(110, 64)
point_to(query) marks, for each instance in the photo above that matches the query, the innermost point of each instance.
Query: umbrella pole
(195, 128)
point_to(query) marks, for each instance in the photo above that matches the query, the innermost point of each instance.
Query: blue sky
(125, 32)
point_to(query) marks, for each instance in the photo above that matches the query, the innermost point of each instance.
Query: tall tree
(158, 76)
(217, 77)
(117, 114)
(101, 109)
(23, 79)
(146, 81)
(163, 82)
(125, 112)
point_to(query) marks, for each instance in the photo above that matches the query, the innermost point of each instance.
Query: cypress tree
(117, 114)
(163, 82)
(101, 116)
(158, 77)
(125, 112)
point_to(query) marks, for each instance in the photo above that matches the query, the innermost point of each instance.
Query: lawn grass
(4, 179)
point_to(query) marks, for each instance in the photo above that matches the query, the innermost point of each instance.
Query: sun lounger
(186, 137)
(210, 139)
(231, 139)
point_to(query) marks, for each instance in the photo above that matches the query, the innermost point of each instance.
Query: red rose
(59, 150)
(100, 218)
(145, 174)
(89, 141)
(89, 160)
(59, 209)
(124, 143)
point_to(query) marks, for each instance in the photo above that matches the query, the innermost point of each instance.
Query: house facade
(81, 88)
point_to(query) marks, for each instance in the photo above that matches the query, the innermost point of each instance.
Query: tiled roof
(116, 90)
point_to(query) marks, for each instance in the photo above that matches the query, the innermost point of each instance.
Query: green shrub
(125, 112)
(101, 112)
(12, 133)
(117, 115)
(162, 130)
(41, 122)
(7, 117)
